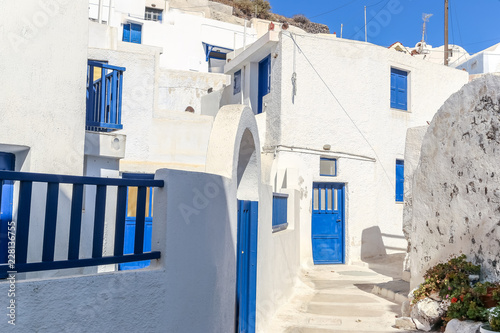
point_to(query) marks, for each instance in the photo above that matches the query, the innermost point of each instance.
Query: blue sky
(473, 24)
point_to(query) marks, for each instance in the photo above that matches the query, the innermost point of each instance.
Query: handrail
(67, 179)
(52, 218)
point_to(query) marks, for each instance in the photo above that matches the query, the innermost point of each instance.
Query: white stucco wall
(159, 133)
(486, 61)
(42, 90)
(456, 186)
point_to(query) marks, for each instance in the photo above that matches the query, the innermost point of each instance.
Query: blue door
(128, 245)
(328, 223)
(246, 280)
(264, 80)
(7, 162)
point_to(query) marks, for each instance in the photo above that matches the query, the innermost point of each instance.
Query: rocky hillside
(248, 8)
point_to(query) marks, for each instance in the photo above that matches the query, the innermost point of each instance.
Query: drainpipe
(111, 4)
(99, 13)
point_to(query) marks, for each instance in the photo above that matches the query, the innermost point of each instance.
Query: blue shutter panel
(135, 33)
(399, 89)
(126, 33)
(400, 178)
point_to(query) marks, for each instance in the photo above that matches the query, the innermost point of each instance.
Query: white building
(332, 117)
(483, 62)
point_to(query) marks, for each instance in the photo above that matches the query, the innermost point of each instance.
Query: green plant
(447, 279)
(466, 305)
(494, 318)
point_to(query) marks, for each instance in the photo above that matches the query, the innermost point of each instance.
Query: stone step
(396, 290)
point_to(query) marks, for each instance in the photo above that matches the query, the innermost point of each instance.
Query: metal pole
(366, 28)
(446, 51)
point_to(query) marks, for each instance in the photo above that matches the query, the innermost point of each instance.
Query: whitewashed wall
(43, 93)
(456, 186)
(159, 132)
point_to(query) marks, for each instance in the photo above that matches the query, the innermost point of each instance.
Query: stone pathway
(339, 298)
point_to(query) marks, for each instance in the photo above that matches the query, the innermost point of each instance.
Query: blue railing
(73, 260)
(104, 97)
(280, 221)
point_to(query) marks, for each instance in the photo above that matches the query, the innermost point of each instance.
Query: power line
(330, 11)
(341, 106)
(371, 18)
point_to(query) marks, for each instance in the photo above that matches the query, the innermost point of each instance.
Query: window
(400, 178)
(132, 33)
(327, 167)
(216, 57)
(153, 14)
(280, 221)
(399, 89)
(237, 82)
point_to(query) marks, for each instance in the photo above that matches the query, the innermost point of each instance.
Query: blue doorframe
(246, 263)
(264, 87)
(130, 219)
(7, 162)
(328, 223)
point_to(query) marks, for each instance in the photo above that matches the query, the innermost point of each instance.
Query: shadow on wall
(372, 244)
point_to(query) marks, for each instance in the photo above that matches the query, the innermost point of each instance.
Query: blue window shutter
(402, 92)
(126, 33)
(135, 33)
(399, 89)
(393, 90)
(400, 178)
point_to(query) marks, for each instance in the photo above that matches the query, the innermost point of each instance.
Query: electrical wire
(331, 11)
(341, 106)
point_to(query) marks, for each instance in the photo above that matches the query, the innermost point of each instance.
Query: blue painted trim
(400, 178)
(329, 159)
(75, 222)
(279, 216)
(87, 262)
(121, 213)
(140, 220)
(64, 179)
(49, 231)
(23, 220)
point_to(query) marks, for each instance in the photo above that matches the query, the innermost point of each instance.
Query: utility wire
(331, 11)
(371, 18)
(341, 106)
(458, 24)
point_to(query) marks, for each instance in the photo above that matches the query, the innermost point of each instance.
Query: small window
(400, 178)
(153, 14)
(237, 82)
(399, 89)
(328, 167)
(280, 221)
(132, 33)
(216, 57)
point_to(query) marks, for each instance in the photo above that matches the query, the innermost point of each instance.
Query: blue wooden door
(7, 162)
(128, 245)
(264, 80)
(246, 255)
(328, 223)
